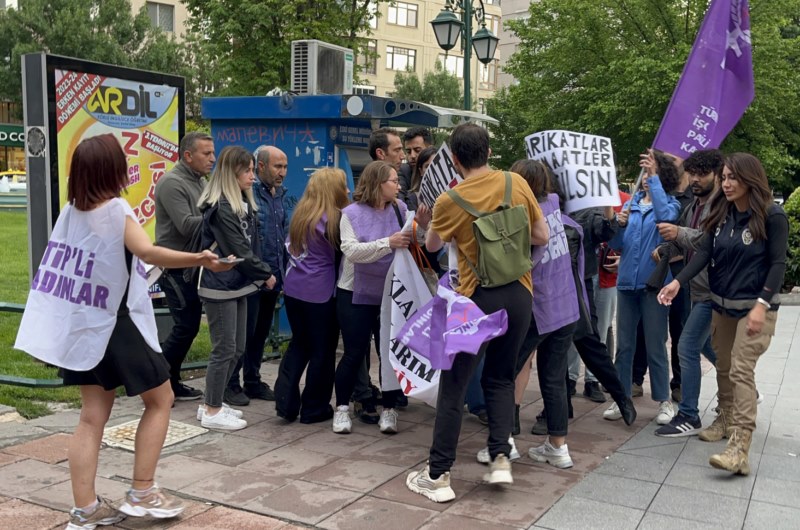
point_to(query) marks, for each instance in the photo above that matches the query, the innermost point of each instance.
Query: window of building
(161, 16)
(493, 24)
(373, 15)
(401, 59)
(402, 14)
(492, 2)
(364, 90)
(453, 64)
(488, 75)
(369, 61)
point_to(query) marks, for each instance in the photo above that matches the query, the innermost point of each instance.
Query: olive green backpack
(503, 237)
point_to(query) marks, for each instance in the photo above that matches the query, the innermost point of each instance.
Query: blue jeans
(476, 402)
(695, 339)
(641, 305)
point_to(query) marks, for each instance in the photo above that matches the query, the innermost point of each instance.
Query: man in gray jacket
(704, 169)
(178, 221)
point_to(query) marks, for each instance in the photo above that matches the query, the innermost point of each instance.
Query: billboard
(66, 100)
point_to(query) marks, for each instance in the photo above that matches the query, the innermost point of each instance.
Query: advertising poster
(144, 117)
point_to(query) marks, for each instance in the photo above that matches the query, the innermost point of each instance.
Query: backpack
(503, 237)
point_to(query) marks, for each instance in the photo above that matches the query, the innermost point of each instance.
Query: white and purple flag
(716, 85)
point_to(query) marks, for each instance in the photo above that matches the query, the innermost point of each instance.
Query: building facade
(403, 38)
(169, 15)
(512, 10)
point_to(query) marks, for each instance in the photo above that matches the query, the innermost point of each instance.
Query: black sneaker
(367, 412)
(680, 426)
(262, 391)
(571, 387)
(185, 393)
(540, 427)
(235, 398)
(592, 392)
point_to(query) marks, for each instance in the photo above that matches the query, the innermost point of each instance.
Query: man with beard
(703, 168)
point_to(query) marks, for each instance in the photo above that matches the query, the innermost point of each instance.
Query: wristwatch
(764, 303)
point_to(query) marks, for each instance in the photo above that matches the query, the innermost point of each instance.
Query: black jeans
(186, 310)
(357, 322)
(497, 380)
(551, 366)
(260, 315)
(315, 335)
(639, 357)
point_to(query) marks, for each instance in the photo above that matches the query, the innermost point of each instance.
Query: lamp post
(447, 27)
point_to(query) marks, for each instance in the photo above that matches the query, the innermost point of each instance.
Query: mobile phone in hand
(231, 260)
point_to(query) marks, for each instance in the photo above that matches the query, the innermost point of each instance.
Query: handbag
(428, 273)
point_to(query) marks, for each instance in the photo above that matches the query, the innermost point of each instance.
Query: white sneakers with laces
(555, 456)
(388, 421)
(484, 458)
(227, 409)
(222, 420)
(665, 413)
(341, 420)
(612, 413)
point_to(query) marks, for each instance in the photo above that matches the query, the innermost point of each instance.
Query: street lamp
(447, 27)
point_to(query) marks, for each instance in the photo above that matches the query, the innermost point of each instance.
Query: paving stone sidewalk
(276, 475)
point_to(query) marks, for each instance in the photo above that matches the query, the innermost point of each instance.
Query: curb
(790, 299)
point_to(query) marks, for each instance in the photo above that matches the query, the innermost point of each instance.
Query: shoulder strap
(397, 212)
(507, 196)
(467, 207)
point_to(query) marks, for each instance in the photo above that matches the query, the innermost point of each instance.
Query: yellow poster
(144, 118)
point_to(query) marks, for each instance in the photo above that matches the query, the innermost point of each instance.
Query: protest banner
(450, 324)
(583, 163)
(440, 176)
(404, 293)
(716, 85)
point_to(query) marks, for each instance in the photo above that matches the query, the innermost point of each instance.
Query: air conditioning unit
(321, 68)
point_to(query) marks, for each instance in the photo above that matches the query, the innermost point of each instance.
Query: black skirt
(128, 362)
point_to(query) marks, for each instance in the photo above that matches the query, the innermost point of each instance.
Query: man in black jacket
(178, 221)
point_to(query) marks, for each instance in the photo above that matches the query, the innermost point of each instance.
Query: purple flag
(716, 85)
(450, 324)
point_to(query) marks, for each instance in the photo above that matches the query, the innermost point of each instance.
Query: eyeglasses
(394, 181)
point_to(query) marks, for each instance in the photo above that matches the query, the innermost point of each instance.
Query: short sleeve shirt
(485, 193)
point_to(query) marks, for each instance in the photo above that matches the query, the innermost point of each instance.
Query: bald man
(273, 227)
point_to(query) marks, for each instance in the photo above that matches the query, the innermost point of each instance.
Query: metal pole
(467, 36)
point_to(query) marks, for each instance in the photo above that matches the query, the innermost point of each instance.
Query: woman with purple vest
(370, 231)
(308, 288)
(555, 316)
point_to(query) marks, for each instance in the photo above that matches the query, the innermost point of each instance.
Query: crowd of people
(695, 255)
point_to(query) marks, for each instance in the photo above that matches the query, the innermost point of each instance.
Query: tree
(438, 87)
(609, 67)
(88, 29)
(245, 45)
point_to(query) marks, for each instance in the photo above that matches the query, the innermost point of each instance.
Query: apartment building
(169, 15)
(403, 38)
(512, 10)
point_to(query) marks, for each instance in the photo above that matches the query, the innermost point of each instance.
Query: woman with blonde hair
(229, 227)
(744, 248)
(309, 289)
(371, 229)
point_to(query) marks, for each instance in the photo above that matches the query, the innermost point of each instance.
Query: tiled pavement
(276, 475)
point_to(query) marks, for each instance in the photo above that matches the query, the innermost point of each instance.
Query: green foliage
(438, 87)
(97, 31)
(792, 209)
(608, 67)
(243, 47)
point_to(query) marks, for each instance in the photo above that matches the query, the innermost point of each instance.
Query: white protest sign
(440, 176)
(583, 163)
(404, 293)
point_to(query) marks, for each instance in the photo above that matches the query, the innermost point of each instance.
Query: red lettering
(130, 139)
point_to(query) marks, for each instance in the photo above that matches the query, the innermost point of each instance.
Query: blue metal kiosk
(319, 130)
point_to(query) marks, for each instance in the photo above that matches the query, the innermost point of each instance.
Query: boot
(719, 429)
(735, 456)
(516, 431)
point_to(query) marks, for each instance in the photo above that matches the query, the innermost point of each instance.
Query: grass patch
(14, 285)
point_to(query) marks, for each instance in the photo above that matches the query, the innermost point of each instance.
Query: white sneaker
(225, 408)
(665, 413)
(341, 420)
(555, 456)
(222, 421)
(438, 490)
(499, 471)
(388, 421)
(484, 458)
(612, 413)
